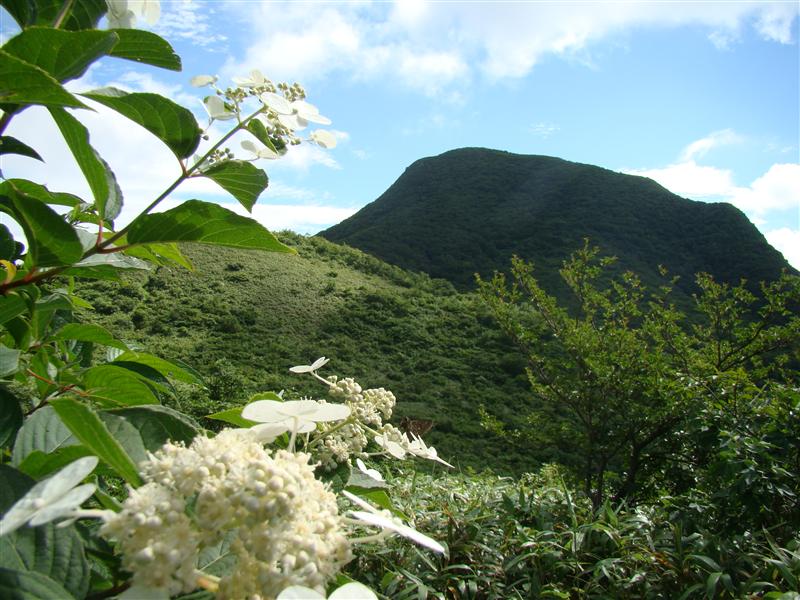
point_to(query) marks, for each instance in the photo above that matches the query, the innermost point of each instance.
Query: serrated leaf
(92, 432)
(102, 181)
(126, 434)
(11, 306)
(11, 145)
(51, 551)
(10, 417)
(160, 254)
(40, 192)
(22, 585)
(83, 332)
(158, 424)
(23, 83)
(168, 121)
(52, 241)
(9, 360)
(241, 179)
(205, 223)
(113, 387)
(165, 367)
(145, 47)
(63, 54)
(232, 416)
(83, 15)
(38, 464)
(43, 431)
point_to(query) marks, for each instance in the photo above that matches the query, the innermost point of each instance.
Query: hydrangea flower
(256, 79)
(324, 139)
(320, 362)
(203, 80)
(299, 416)
(259, 151)
(122, 14)
(349, 591)
(373, 473)
(53, 498)
(216, 109)
(389, 523)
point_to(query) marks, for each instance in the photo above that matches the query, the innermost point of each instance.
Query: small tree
(621, 375)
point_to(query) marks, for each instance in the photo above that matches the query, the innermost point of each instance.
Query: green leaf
(89, 333)
(145, 47)
(206, 223)
(13, 486)
(21, 585)
(160, 254)
(11, 306)
(102, 182)
(232, 416)
(51, 240)
(168, 121)
(11, 145)
(10, 417)
(38, 464)
(362, 481)
(87, 426)
(9, 360)
(126, 434)
(165, 367)
(40, 192)
(158, 424)
(113, 386)
(257, 128)
(84, 14)
(63, 54)
(43, 431)
(337, 478)
(218, 560)
(241, 179)
(52, 551)
(10, 249)
(24, 83)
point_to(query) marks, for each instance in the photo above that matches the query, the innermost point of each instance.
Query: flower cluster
(282, 524)
(283, 112)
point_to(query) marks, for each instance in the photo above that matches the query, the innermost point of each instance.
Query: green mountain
(241, 319)
(470, 210)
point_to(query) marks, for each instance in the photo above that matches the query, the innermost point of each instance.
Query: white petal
(323, 138)
(216, 108)
(203, 80)
(277, 103)
(64, 505)
(264, 411)
(301, 369)
(374, 473)
(309, 112)
(250, 146)
(330, 412)
(353, 591)
(293, 122)
(267, 432)
(303, 409)
(140, 592)
(404, 530)
(320, 362)
(359, 501)
(265, 152)
(299, 592)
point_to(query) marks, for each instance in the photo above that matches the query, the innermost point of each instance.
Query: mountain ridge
(469, 210)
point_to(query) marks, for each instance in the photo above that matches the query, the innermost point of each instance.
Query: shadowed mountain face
(470, 210)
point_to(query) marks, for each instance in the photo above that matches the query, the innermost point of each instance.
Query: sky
(702, 97)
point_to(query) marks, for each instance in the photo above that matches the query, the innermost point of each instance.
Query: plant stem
(62, 14)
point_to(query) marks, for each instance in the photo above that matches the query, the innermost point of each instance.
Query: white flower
(320, 362)
(302, 113)
(203, 80)
(216, 109)
(384, 520)
(374, 473)
(323, 138)
(53, 498)
(349, 591)
(259, 152)
(122, 14)
(301, 416)
(277, 103)
(256, 79)
(418, 448)
(394, 448)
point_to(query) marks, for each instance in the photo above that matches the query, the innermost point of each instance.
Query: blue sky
(701, 96)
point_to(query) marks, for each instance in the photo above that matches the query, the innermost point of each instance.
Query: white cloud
(430, 46)
(787, 242)
(543, 129)
(190, 21)
(301, 219)
(701, 147)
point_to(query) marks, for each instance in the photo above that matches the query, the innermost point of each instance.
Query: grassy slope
(253, 315)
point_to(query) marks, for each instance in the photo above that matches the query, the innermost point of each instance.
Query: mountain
(470, 210)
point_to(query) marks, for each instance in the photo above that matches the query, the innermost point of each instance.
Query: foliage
(469, 210)
(622, 378)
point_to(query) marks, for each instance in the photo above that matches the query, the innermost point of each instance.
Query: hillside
(243, 318)
(470, 210)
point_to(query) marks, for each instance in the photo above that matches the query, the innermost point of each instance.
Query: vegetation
(469, 210)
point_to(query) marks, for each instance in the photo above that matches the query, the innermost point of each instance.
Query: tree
(623, 372)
